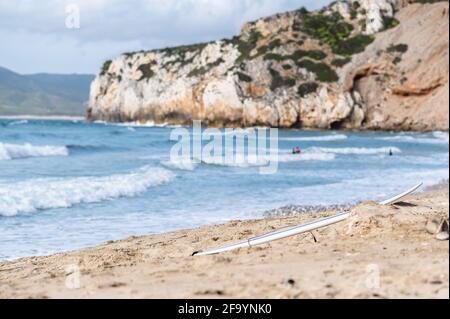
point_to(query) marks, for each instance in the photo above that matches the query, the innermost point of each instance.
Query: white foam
(141, 124)
(15, 151)
(307, 157)
(325, 138)
(264, 160)
(38, 194)
(132, 125)
(355, 150)
(438, 138)
(19, 122)
(100, 122)
(186, 165)
(443, 136)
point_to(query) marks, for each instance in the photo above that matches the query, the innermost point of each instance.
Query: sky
(77, 36)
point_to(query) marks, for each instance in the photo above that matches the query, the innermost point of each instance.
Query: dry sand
(380, 252)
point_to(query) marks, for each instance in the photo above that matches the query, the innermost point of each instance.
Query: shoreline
(151, 124)
(279, 212)
(411, 262)
(43, 117)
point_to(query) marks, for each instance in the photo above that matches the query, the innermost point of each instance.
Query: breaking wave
(15, 151)
(49, 193)
(18, 122)
(131, 125)
(355, 150)
(179, 165)
(442, 136)
(437, 138)
(249, 161)
(325, 138)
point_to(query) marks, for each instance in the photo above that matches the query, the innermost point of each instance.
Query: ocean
(70, 184)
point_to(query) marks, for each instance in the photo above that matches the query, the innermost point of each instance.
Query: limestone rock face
(356, 64)
(402, 76)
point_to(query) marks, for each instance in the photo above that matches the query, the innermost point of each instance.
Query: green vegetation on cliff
(278, 81)
(338, 62)
(334, 31)
(307, 88)
(146, 70)
(322, 71)
(400, 48)
(105, 67)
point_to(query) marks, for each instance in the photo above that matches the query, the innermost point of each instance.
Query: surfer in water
(296, 150)
(391, 153)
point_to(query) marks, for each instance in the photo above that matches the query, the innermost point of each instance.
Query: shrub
(147, 73)
(303, 10)
(390, 22)
(363, 24)
(278, 81)
(244, 77)
(307, 88)
(182, 60)
(105, 67)
(297, 55)
(340, 62)
(400, 48)
(197, 72)
(356, 5)
(275, 57)
(334, 31)
(322, 71)
(329, 29)
(397, 60)
(183, 49)
(353, 45)
(287, 66)
(203, 70)
(266, 48)
(354, 10)
(313, 54)
(246, 47)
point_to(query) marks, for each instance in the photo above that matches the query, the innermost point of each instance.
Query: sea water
(70, 184)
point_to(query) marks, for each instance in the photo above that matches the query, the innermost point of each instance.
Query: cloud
(108, 27)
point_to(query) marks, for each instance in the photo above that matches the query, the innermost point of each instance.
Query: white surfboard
(280, 234)
(397, 198)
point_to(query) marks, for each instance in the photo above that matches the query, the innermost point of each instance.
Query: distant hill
(43, 94)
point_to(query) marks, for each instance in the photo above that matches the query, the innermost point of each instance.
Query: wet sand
(379, 252)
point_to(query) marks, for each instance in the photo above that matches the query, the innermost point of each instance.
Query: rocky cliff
(355, 64)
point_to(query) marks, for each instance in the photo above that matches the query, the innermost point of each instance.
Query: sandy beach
(379, 252)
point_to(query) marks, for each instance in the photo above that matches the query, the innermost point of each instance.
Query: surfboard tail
(397, 198)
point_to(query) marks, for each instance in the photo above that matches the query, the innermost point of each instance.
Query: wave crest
(39, 194)
(437, 138)
(18, 122)
(325, 138)
(186, 165)
(15, 151)
(264, 160)
(355, 150)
